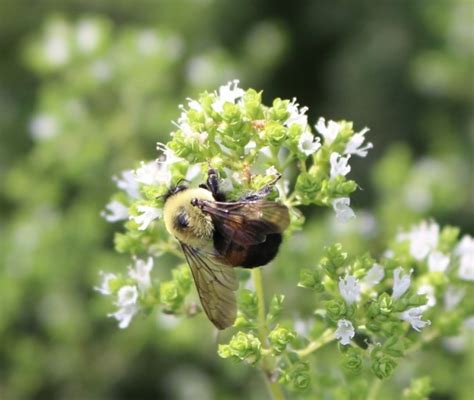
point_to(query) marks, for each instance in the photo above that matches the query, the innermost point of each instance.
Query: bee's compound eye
(183, 220)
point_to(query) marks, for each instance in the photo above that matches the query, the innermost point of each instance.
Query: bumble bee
(217, 235)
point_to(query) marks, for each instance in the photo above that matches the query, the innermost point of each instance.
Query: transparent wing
(215, 282)
(247, 222)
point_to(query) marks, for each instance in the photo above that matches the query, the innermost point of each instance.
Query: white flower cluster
(128, 295)
(339, 163)
(350, 289)
(424, 240)
(152, 173)
(465, 252)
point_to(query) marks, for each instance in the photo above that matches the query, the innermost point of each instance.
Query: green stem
(257, 281)
(374, 389)
(326, 337)
(273, 387)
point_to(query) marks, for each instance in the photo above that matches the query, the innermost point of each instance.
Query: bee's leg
(263, 192)
(212, 185)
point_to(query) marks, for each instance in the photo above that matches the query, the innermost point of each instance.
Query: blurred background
(87, 87)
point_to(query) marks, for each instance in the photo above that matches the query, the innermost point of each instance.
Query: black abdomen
(248, 256)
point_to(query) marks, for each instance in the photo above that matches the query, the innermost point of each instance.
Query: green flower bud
(170, 296)
(276, 306)
(352, 362)
(183, 279)
(448, 238)
(336, 309)
(242, 323)
(373, 310)
(253, 104)
(307, 187)
(384, 303)
(300, 378)
(394, 346)
(419, 389)
(311, 279)
(333, 259)
(242, 346)
(383, 366)
(279, 110)
(248, 303)
(279, 338)
(275, 133)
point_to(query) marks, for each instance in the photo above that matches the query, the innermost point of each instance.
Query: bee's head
(183, 219)
(179, 187)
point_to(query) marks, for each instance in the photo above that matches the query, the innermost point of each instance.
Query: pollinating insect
(217, 235)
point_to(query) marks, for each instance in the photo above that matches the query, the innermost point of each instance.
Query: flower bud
(336, 309)
(170, 296)
(352, 362)
(242, 346)
(311, 279)
(280, 337)
(383, 366)
(394, 346)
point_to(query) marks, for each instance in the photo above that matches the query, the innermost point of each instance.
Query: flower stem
(273, 386)
(257, 281)
(326, 337)
(374, 389)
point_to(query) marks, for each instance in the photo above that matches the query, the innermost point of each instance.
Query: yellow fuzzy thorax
(200, 228)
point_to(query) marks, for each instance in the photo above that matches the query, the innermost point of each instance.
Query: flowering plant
(377, 309)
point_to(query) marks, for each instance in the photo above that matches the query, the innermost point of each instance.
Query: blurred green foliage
(88, 87)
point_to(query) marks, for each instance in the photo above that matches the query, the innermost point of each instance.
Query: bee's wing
(215, 282)
(247, 222)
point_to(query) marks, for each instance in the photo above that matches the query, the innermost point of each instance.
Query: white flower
(148, 214)
(148, 42)
(193, 171)
(469, 322)
(344, 332)
(466, 267)
(104, 287)
(115, 211)
(302, 327)
(308, 144)
(339, 166)
(141, 273)
(400, 283)
(374, 275)
(423, 239)
(272, 171)
(87, 36)
(349, 288)
(187, 130)
(167, 155)
(343, 210)
(438, 262)
(124, 315)
(128, 184)
(354, 144)
(465, 246)
(297, 115)
(228, 93)
(453, 296)
(194, 105)
(153, 173)
(250, 146)
(44, 126)
(329, 131)
(56, 46)
(127, 296)
(429, 291)
(413, 316)
(101, 70)
(465, 251)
